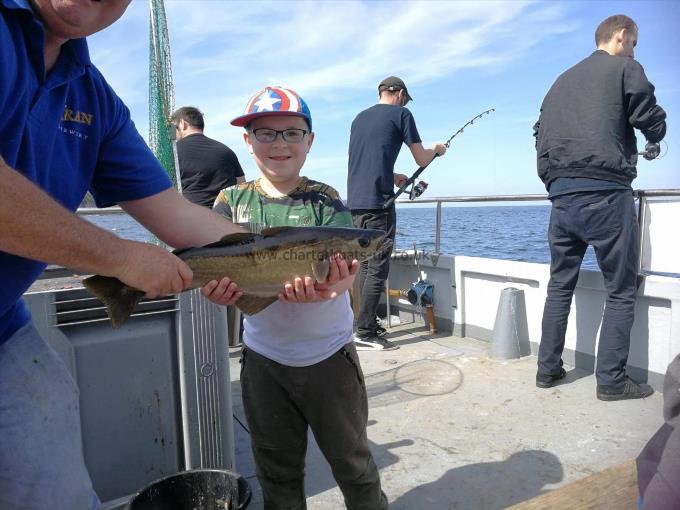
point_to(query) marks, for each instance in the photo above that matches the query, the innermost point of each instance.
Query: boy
(299, 367)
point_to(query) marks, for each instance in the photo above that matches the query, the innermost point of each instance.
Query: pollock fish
(259, 263)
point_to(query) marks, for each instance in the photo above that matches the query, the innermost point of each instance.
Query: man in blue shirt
(63, 131)
(375, 141)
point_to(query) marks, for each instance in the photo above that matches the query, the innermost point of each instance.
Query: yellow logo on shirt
(76, 116)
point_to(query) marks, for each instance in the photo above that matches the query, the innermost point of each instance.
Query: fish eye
(364, 242)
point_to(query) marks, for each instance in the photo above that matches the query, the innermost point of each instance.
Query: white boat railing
(643, 197)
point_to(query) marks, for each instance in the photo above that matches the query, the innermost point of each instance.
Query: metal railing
(641, 195)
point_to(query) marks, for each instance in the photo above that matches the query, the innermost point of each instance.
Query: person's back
(589, 116)
(375, 141)
(376, 138)
(586, 157)
(206, 166)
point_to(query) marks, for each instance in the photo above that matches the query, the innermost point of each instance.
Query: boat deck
(451, 428)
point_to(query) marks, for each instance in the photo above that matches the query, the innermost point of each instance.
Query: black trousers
(281, 402)
(375, 270)
(606, 220)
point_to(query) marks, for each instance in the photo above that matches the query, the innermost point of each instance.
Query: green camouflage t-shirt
(310, 204)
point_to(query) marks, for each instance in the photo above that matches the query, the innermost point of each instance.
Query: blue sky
(457, 59)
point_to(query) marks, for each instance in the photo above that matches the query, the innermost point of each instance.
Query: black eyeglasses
(266, 135)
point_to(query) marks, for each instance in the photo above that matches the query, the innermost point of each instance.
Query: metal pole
(642, 215)
(437, 235)
(387, 302)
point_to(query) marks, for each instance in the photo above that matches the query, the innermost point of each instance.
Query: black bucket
(197, 489)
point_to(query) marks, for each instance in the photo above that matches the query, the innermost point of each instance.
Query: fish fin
(250, 305)
(320, 270)
(271, 231)
(118, 298)
(229, 239)
(355, 296)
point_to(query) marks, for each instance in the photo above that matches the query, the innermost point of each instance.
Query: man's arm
(424, 156)
(178, 222)
(35, 226)
(643, 112)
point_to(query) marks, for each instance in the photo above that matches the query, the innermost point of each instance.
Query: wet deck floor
(451, 428)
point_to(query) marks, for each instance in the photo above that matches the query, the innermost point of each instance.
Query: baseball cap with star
(274, 101)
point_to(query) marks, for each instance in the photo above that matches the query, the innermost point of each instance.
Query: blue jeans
(374, 271)
(41, 452)
(606, 220)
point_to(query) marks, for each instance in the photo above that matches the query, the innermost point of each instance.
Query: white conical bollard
(510, 332)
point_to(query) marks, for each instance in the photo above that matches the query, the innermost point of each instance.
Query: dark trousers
(281, 402)
(374, 271)
(606, 220)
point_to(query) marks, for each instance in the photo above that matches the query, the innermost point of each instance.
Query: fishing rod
(418, 189)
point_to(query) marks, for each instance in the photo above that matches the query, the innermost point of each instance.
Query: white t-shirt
(317, 331)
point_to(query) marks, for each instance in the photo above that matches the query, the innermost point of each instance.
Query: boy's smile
(279, 162)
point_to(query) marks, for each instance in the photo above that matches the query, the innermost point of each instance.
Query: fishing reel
(417, 190)
(653, 151)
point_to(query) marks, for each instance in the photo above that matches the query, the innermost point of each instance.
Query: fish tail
(118, 298)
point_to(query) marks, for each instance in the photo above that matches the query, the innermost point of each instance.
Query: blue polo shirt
(67, 132)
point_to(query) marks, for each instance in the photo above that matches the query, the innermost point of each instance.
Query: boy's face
(279, 161)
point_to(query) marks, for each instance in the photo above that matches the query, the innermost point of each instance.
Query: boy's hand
(300, 291)
(224, 292)
(338, 272)
(340, 277)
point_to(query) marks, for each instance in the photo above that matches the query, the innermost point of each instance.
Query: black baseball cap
(393, 84)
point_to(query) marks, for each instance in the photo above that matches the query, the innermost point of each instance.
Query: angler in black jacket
(586, 151)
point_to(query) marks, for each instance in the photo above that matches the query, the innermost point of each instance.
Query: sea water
(500, 232)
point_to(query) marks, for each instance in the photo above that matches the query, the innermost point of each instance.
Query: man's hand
(652, 151)
(399, 180)
(304, 290)
(152, 269)
(439, 148)
(224, 292)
